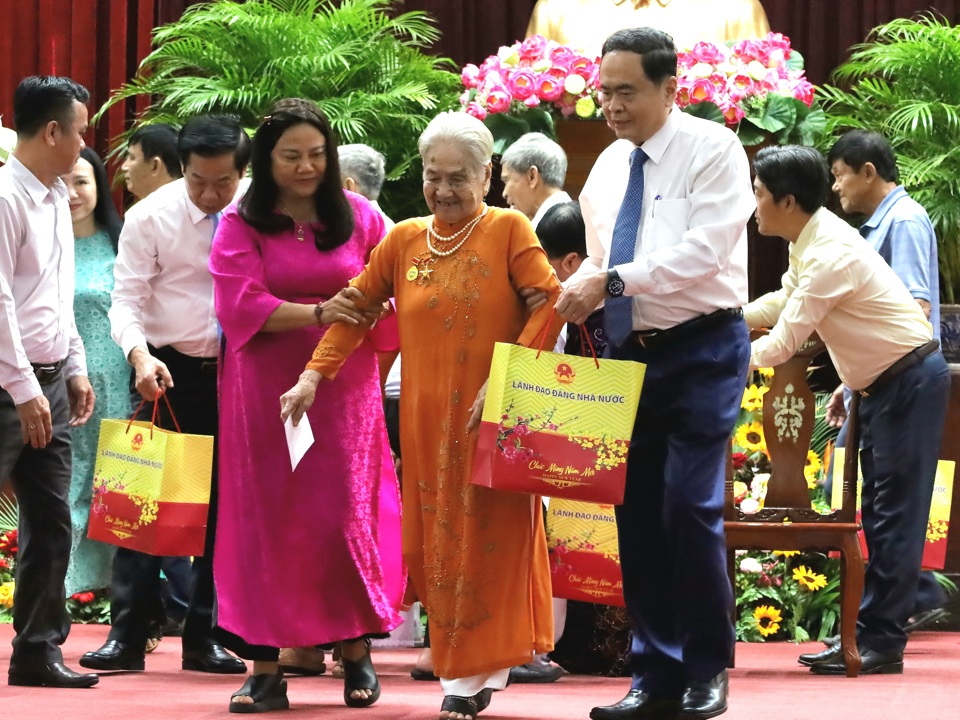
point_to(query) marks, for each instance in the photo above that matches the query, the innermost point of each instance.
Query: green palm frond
(902, 82)
(365, 66)
(9, 514)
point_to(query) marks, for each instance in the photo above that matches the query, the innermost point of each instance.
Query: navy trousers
(672, 545)
(902, 426)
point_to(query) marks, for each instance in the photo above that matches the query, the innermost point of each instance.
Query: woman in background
(96, 227)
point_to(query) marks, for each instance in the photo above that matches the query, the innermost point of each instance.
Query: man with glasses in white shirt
(163, 317)
(666, 209)
(43, 385)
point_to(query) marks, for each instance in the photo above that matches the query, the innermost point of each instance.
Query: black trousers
(41, 481)
(135, 585)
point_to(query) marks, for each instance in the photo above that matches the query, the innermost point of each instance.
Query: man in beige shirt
(882, 346)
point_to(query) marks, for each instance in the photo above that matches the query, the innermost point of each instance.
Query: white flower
(701, 70)
(749, 506)
(750, 565)
(758, 486)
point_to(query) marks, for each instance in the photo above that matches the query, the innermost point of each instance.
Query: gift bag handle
(584, 336)
(154, 416)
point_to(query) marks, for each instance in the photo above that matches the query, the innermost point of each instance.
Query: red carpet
(767, 683)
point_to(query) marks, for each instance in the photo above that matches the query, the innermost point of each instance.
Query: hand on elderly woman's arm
(476, 410)
(298, 399)
(343, 307)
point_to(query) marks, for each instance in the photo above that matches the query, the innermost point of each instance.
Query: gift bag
(151, 488)
(557, 425)
(584, 554)
(935, 547)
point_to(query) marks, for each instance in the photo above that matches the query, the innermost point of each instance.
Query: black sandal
(421, 674)
(360, 675)
(268, 692)
(472, 706)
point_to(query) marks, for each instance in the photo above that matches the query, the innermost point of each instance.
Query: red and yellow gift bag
(151, 488)
(557, 425)
(584, 552)
(935, 547)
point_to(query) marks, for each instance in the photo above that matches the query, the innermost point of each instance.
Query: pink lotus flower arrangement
(525, 85)
(757, 87)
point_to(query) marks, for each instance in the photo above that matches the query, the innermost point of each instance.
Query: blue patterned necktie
(618, 311)
(215, 219)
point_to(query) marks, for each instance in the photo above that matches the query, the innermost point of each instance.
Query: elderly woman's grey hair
(365, 165)
(537, 150)
(463, 131)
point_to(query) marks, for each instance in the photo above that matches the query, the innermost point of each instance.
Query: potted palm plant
(363, 64)
(902, 82)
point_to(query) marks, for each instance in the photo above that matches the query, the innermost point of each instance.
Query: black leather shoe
(535, 672)
(705, 699)
(831, 653)
(874, 663)
(55, 675)
(114, 656)
(639, 705)
(924, 620)
(212, 658)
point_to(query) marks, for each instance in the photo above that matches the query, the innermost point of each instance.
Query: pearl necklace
(468, 229)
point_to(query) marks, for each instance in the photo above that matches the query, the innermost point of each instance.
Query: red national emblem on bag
(137, 441)
(565, 374)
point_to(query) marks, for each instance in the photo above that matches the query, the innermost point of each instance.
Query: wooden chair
(787, 521)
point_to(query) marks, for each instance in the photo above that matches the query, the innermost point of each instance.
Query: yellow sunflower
(765, 373)
(750, 437)
(753, 398)
(810, 580)
(768, 619)
(786, 553)
(811, 470)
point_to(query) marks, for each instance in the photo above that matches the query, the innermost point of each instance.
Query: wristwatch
(615, 286)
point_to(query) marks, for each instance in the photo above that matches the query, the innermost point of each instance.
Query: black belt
(48, 372)
(171, 356)
(907, 361)
(653, 339)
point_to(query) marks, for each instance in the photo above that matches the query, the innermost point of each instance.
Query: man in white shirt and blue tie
(666, 209)
(163, 317)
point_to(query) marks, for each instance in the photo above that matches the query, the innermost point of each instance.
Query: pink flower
(470, 76)
(706, 52)
(562, 56)
(491, 63)
(532, 101)
(522, 83)
(803, 91)
(522, 430)
(498, 99)
(747, 50)
(477, 110)
(549, 88)
(731, 111)
(702, 90)
(532, 48)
